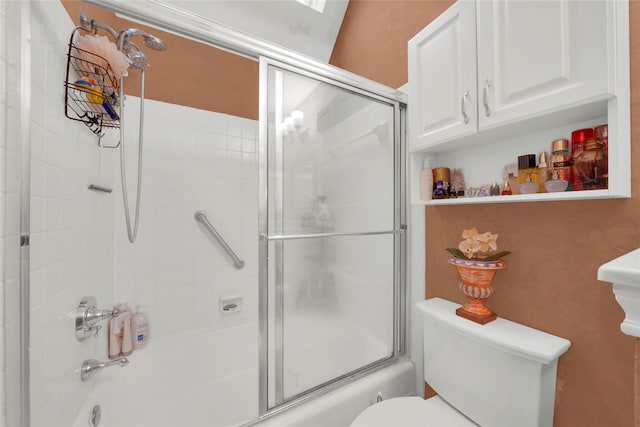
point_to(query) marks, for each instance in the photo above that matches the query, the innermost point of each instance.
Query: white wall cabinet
(442, 77)
(491, 80)
(541, 56)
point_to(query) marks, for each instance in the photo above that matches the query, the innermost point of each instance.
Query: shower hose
(131, 233)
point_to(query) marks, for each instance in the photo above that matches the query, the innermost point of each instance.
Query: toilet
(501, 374)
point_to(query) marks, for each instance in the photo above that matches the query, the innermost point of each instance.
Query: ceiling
(287, 23)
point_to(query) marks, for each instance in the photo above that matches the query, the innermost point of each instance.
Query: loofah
(102, 46)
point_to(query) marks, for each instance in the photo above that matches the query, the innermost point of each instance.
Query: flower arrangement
(474, 243)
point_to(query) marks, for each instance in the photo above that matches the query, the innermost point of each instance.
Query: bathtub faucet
(91, 367)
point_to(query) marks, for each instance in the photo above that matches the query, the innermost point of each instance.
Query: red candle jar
(578, 145)
(592, 166)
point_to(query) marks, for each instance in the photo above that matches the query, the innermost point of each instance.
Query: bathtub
(341, 406)
(211, 379)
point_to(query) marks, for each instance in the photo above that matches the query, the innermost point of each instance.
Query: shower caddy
(82, 63)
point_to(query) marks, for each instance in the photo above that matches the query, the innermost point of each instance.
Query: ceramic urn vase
(475, 283)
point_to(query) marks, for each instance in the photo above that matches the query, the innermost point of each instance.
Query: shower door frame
(332, 77)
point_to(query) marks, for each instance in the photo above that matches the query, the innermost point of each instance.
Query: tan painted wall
(188, 73)
(556, 247)
(372, 41)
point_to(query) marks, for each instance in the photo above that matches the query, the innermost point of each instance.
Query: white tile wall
(193, 160)
(71, 252)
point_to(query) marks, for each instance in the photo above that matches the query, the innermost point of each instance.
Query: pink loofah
(102, 46)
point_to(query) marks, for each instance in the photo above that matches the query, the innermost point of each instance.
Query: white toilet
(501, 374)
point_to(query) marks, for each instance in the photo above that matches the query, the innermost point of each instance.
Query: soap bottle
(140, 329)
(426, 181)
(543, 168)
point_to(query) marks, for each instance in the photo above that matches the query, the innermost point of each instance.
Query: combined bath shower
(138, 62)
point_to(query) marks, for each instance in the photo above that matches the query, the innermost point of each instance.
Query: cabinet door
(442, 78)
(540, 56)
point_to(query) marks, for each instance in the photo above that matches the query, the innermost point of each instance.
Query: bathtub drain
(94, 418)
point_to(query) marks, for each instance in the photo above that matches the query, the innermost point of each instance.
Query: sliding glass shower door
(331, 231)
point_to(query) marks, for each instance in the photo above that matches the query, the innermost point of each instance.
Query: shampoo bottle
(426, 181)
(140, 329)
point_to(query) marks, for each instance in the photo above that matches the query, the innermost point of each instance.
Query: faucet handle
(93, 315)
(97, 329)
(87, 315)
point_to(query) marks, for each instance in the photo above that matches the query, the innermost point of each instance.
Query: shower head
(155, 43)
(136, 56)
(152, 42)
(133, 52)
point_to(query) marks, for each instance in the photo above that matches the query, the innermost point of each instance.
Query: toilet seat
(412, 412)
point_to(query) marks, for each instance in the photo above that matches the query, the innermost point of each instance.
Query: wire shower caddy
(82, 103)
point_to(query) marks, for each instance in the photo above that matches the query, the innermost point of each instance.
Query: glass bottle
(543, 168)
(439, 192)
(457, 183)
(444, 175)
(592, 166)
(579, 140)
(602, 133)
(506, 190)
(561, 161)
(494, 190)
(527, 170)
(513, 183)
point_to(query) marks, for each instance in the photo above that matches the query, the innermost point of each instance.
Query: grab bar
(202, 217)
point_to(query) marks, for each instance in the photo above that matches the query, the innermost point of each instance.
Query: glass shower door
(331, 234)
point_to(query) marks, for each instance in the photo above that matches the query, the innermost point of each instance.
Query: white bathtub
(341, 406)
(211, 379)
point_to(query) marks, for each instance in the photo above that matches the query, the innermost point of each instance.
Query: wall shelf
(483, 156)
(538, 197)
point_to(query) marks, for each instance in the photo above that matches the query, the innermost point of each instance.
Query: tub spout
(91, 367)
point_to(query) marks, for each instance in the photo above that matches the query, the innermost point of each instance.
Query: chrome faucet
(91, 367)
(94, 315)
(87, 317)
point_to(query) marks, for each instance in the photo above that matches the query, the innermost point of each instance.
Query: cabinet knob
(485, 97)
(463, 107)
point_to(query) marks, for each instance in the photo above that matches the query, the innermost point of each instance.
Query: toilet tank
(501, 374)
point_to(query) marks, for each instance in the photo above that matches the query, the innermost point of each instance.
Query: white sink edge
(624, 273)
(624, 270)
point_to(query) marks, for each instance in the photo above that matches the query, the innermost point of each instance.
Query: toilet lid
(412, 411)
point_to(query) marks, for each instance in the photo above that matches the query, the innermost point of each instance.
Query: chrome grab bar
(202, 217)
